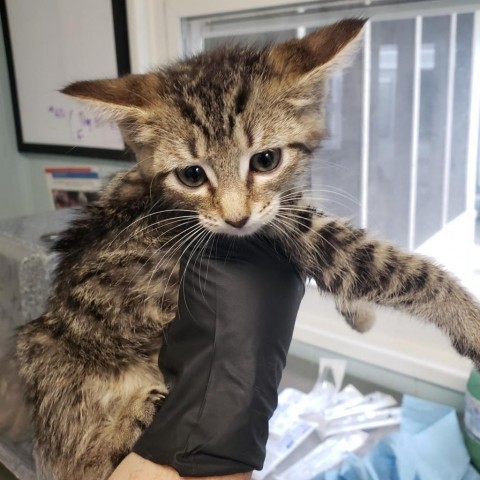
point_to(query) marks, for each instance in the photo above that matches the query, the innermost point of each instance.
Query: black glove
(224, 355)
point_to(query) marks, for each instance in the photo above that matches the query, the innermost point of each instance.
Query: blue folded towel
(429, 446)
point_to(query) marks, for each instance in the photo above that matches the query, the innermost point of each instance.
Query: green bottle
(472, 418)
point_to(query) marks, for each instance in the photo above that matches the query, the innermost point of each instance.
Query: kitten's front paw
(461, 320)
(157, 396)
(146, 404)
(359, 315)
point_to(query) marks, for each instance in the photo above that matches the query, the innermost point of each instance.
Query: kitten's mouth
(224, 228)
(255, 222)
(244, 231)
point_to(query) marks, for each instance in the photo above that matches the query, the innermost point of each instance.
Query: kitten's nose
(238, 223)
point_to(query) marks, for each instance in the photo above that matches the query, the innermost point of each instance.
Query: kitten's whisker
(323, 189)
(307, 196)
(308, 188)
(148, 247)
(188, 223)
(143, 218)
(196, 247)
(319, 163)
(194, 239)
(182, 279)
(169, 221)
(309, 228)
(329, 203)
(282, 234)
(180, 222)
(209, 258)
(328, 195)
(189, 229)
(296, 221)
(296, 208)
(164, 259)
(202, 256)
(151, 225)
(290, 240)
(293, 190)
(323, 201)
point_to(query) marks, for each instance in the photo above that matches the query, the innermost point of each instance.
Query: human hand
(135, 467)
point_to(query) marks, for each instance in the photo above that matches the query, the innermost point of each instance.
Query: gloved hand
(223, 356)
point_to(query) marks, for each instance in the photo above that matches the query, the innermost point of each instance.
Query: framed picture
(50, 44)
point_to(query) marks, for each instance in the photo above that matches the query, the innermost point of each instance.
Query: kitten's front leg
(355, 267)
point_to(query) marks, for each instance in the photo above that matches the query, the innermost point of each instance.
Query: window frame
(165, 44)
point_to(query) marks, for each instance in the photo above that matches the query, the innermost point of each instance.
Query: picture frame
(58, 124)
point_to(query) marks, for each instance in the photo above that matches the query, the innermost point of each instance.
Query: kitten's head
(228, 133)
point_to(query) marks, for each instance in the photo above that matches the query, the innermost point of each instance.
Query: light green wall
(15, 196)
(23, 189)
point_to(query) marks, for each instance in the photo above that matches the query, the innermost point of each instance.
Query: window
(398, 153)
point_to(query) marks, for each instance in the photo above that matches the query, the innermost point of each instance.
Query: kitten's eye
(192, 176)
(266, 161)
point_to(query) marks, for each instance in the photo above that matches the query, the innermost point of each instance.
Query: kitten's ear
(325, 49)
(119, 96)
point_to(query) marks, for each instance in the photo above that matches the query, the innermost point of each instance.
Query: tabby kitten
(223, 143)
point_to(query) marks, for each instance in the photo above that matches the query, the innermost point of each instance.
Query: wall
(23, 190)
